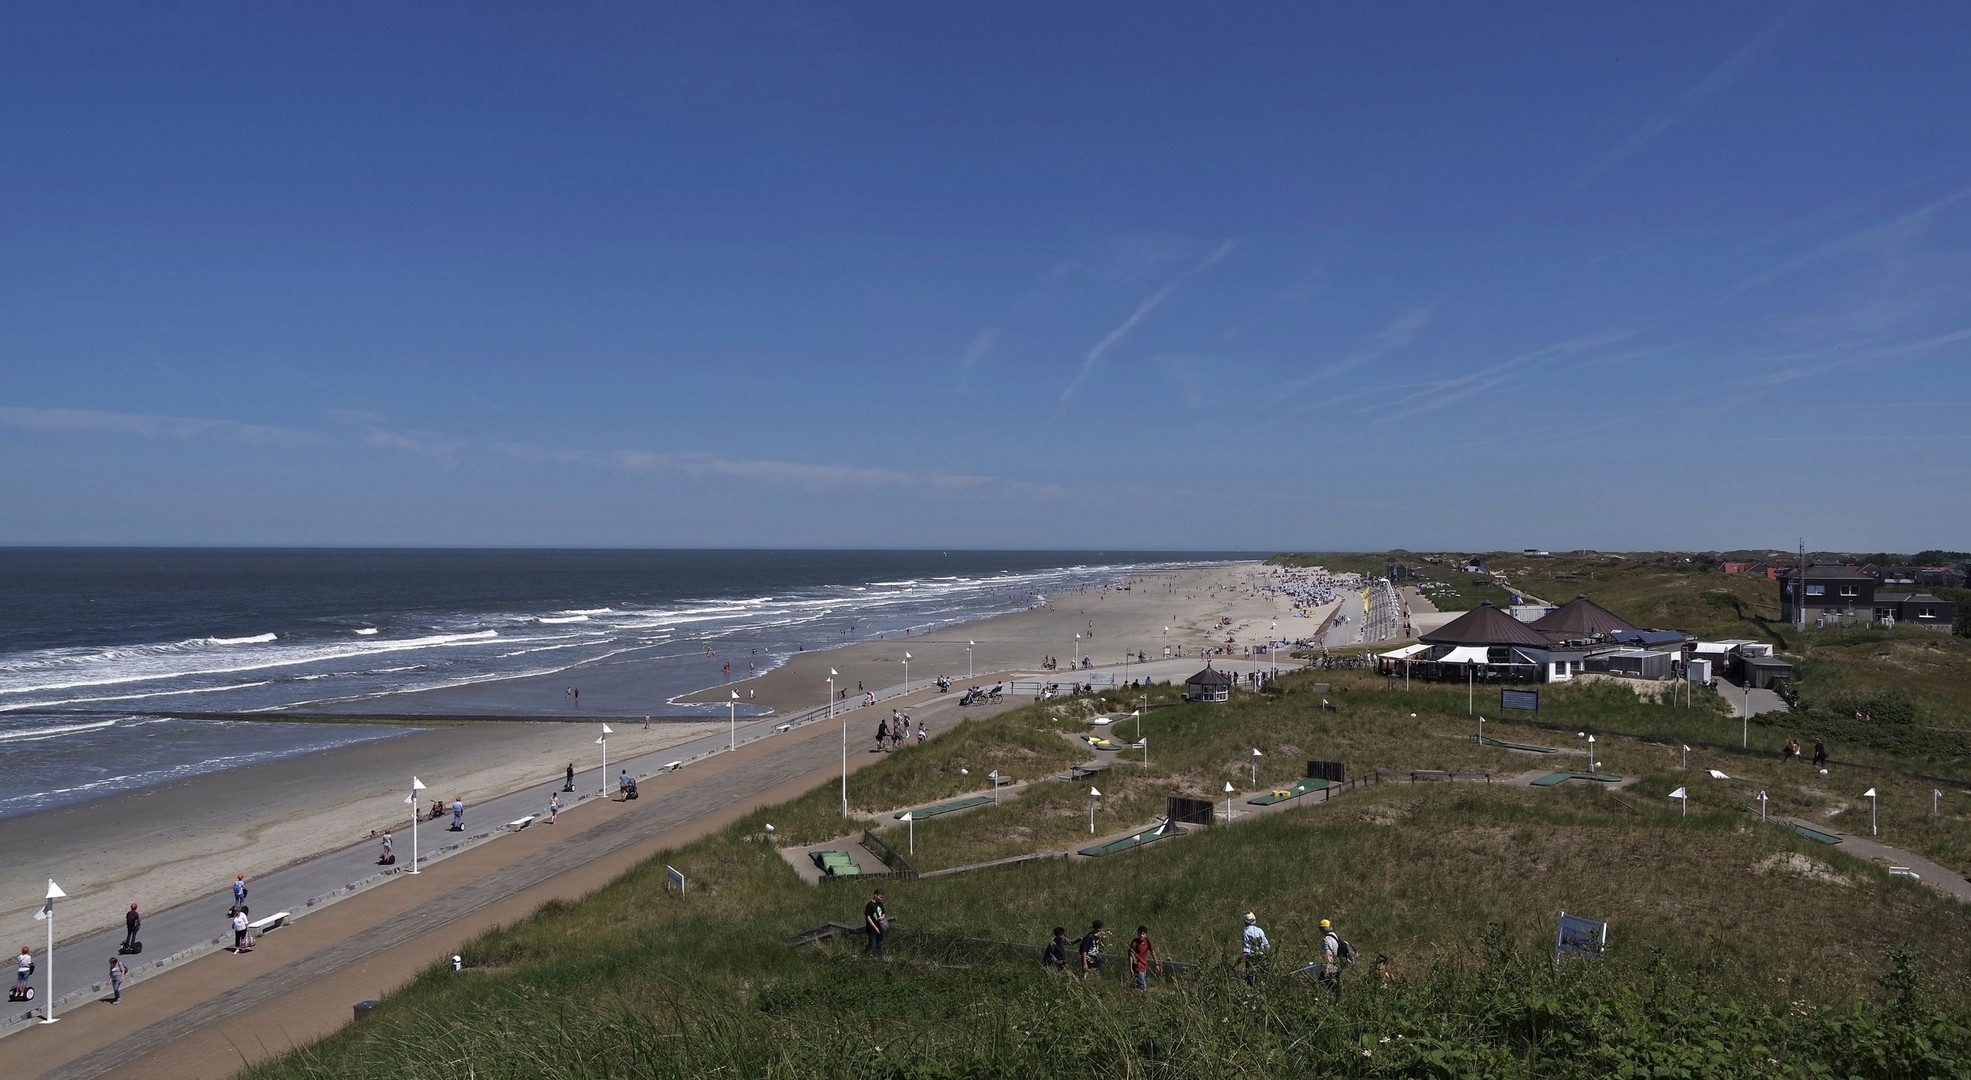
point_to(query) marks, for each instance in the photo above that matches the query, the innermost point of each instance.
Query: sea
(123, 669)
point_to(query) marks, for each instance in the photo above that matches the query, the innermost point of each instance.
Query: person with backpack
(1334, 953)
(876, 923)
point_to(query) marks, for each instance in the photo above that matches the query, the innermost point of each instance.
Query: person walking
(116, 976)
(458, 815)
(132, 920)
(1820, 751)
(240, 926)
(1253, 949)
(1057, 950)
(1330, 958)
(921, 733)
(570, 785)
(1091, 948)
(1143, 957)
(554, 806)
(876, 923)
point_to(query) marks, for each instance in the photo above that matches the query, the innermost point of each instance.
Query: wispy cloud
(975, 351)
(1398, 333)
(1143, 309)
(1446, 392)
(804, 475)
(151, 425)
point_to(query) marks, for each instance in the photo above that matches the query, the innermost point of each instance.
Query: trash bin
(363, 1008)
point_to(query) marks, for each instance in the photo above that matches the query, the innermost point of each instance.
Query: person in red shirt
(1143, 957)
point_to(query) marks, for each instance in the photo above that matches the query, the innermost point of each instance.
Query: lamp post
(416, 786)
(994, 777)
(1471, 699)
(1074, 661)
(1273, 649)
(47, 915)
(1686, 765)
(1761, 796)
(906, 672)
(1745, 719)
(911, 820)
(1481, 731)
(1934, 796)
(732, 722)
(1093, 794)
(1256, 755)
(831, 692)
(1870, 796)
(968, 658)
(603, 741)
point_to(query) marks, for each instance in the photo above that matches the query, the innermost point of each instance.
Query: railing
(892, 858)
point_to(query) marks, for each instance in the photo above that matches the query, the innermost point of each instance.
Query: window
(1926, 613)
(1850, 590)
(1816, 590)
(1884, 613)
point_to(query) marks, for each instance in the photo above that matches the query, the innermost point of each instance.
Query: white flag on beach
(1677, 794)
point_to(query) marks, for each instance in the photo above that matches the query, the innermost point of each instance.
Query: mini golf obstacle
(835, 864)
(953, 806)
(1524, 748)
(1135, 840)
(1280, 795)
(1554, 779)
(1816, 835)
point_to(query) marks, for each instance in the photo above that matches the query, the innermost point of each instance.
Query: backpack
(1345, 952)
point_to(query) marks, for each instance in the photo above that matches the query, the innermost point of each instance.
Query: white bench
(521, 823)
(673, 766)
(1904, 871)
(272, 922)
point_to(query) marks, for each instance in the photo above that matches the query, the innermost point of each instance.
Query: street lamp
(1745, 719)
(1074, 661)
(603, 741)
(416, 786)
(1481, 731)
(994, 777)
(968, 658)
(906, 672)
(1093, 794)
(1761, 796)
(831, 692)
(732, 722)
(47, 915)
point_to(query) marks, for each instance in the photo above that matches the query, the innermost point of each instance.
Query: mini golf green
(1147, 836)
(1816, 835)
(944, 807)
(1523, 747)
(1294, 792)
(1552, 779)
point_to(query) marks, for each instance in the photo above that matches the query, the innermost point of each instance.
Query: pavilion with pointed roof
(1581, 620)
(1487, 644)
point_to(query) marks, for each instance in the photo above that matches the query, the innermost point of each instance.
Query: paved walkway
(1949, 882)
(1761, 701)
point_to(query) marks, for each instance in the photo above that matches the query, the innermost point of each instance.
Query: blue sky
(1151, 276)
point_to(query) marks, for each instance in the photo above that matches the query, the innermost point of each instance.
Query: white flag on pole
(832, 671)
(906, 656)
(607, 730)
(1869, 794)
(1716, 775)
(1678, 794)
(416, 786)
(906, 816)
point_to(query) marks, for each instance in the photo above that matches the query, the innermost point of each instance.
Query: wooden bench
(272, 922)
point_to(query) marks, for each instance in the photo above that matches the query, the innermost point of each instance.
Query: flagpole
(416, 786)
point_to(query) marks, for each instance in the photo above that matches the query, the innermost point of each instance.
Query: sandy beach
(165, 845)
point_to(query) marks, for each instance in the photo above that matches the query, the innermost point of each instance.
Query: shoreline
(171, 843)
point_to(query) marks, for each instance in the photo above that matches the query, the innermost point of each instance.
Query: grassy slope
(635, 981)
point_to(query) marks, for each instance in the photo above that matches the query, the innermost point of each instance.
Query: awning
(1464, 654)
(1404, 653)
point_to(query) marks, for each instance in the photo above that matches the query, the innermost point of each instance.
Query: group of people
(891, 733)
(1089, 952)
(1790, 750)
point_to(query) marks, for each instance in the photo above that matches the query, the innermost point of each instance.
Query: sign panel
(673, 877)
(1580, 936)
(1523, 700)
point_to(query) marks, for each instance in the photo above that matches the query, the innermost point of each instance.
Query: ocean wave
(550, 621)
(52, 732)
(257, 639)
(365, 631)
(296, 656)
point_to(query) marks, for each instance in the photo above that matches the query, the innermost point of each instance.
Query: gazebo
(1208, 685)
(1488, 643)
(1581, 619)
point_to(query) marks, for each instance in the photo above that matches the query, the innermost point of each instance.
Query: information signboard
(1523, 700)
(1580, 936)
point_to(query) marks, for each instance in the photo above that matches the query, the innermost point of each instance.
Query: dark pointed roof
(1580, 618)
(1209, 677)
(1486, 625)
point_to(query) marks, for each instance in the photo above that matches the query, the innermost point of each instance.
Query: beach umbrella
(1870, 796)
(911, 820)
(47, 915)
(416, 786)
(602, 740)
(1683, 797)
